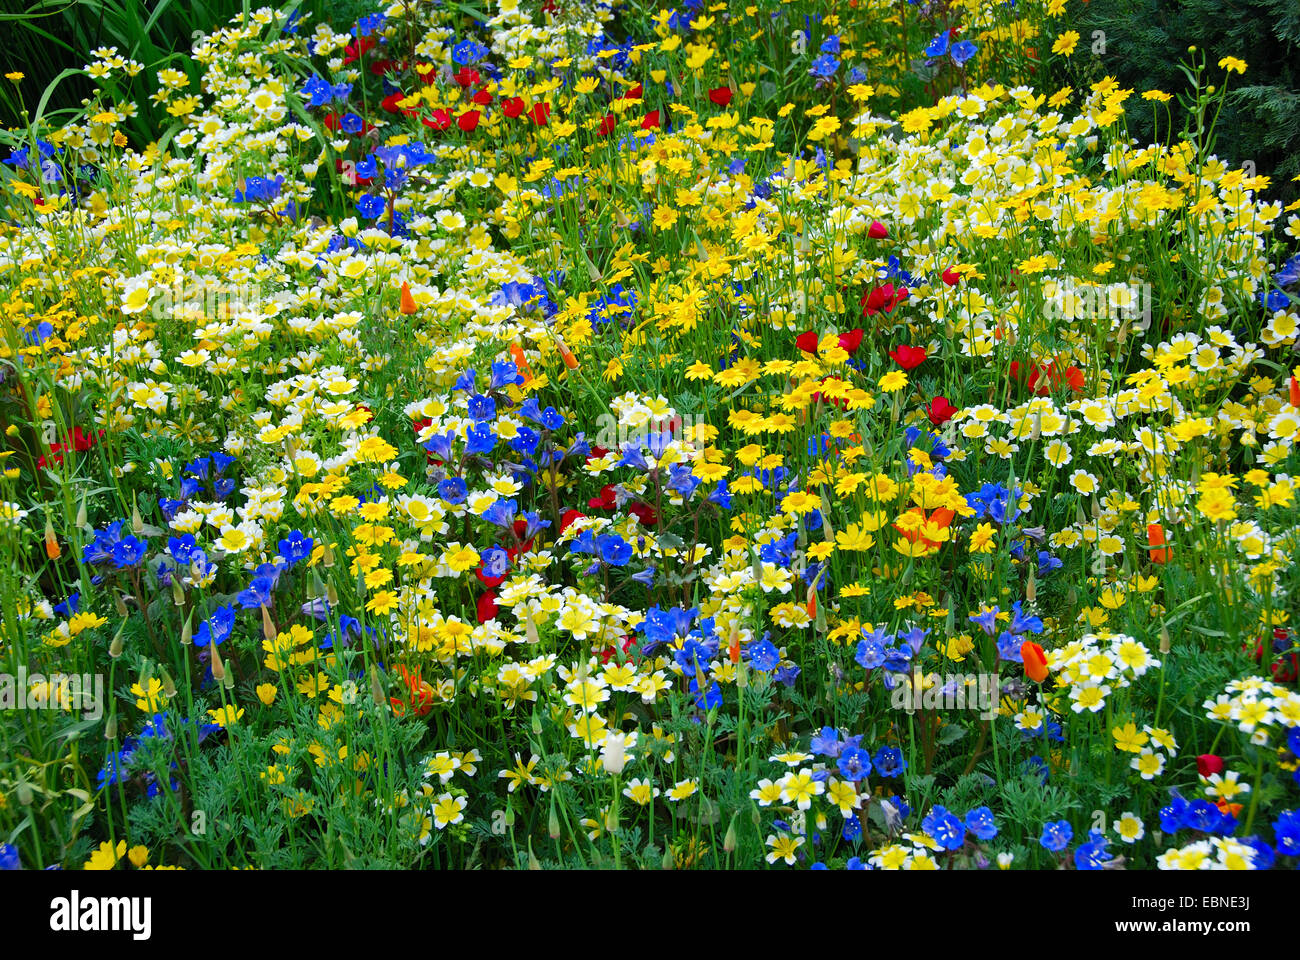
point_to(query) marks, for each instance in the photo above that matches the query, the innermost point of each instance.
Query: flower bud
(52, 548)
(187, 631)
(137, 521)
(553, 823)
(613, 756)
(115, 648)
(110, 728)
(82, 519)
(178, 592)
(24, 791)
(729, 841)
(268, 625)
(218, 668)
(169, 685)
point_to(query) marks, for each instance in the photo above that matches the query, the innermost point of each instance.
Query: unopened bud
(52, 548)
(1164, 639)
(376, 688)
(120, 605)
(178, 592)
(553, 823)
(115, 648)
(218, 668)
(331, 595)
(611, 819)
(614, 756)
(327, 559)
(268, 625)
(137, 521)
(530, 629)
(729, 841)
(669, 861)
(169, 685)
(24, 792)
(187, 631)
(536, 724)
(1031, 587)
(110, 728)
(82, 519)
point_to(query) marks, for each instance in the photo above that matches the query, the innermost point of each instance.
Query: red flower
(468, 120)
(1208, 764)
(389, 103)
(651, 121)
(1044, 378)
(852, 340)
(482, 98)
(355, 50)
(721, 96)
(940, 411)
(439, 119)
(540, 113)
(645, 513)
(877, 230)
(466, 76)
(81, 442)
(608, 124)
(907, 357)
(633, 93)
(512, 107)
(381, 67)
(807, 341)
(568, 517)
(486, 607)
(606, 500)
(951, 276)
(882, 299)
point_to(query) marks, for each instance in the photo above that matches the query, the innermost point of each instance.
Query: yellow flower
(1066, 43)
(1232, 64)
(893, 381)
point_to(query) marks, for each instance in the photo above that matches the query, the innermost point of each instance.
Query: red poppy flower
(596, 453)
(355, 50)
(908, 357)
(940, 411)
(512, 107)
(486, 608)
(606, 500)
(882, 299)
(482, 98)
(807, 341)
(721, 96)
(877, 230)
(568, 517)
(466, 76)
(540, 113)
(627, 644)
(389, 103)
(381, 67)
(1044, 378)
(951, 276)
(651, 121)
(1208, 764)
(439, 119)
(608, 124)
(468, 120)
(852, 340)
(632, 93)
(645, 513)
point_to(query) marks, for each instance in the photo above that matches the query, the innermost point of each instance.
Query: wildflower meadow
(784, 436)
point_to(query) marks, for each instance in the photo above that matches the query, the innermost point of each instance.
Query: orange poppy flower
(1035, 661)
(1156, 538)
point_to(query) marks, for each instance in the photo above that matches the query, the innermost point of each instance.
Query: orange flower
(408, 302)
(521, 362)
(1294, 394)
(1035, 661)
(1156, 538)
(420, 698)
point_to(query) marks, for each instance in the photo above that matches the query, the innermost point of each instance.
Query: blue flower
(945, 828)
(980, 822)
(854, 764)
(370, 206)
(614, 550)
(763, 655)
(9, 857)
(826, 743)
(1092, 855)
(889, 762)
(1056, 835)
(216, 628)
(963, 51)
(938, 46)
(128, 552)
(295, 547)
(824, 67)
